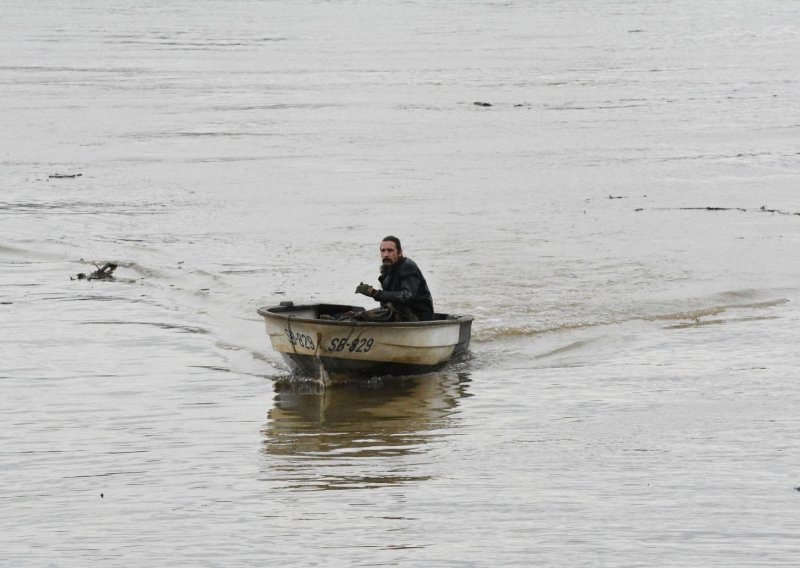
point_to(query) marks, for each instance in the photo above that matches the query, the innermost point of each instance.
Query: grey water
(621, 219)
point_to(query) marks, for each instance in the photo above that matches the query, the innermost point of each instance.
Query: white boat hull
(335, 351)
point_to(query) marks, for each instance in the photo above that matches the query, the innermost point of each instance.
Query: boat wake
(678, 319)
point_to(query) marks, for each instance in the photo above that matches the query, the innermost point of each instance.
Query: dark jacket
(404, 286)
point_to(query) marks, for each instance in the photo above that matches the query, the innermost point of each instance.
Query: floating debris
(64, 176)
(778, 211)
(482, 104)
(102, 273)
(762, 209)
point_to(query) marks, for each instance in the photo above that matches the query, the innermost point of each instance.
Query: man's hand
(366, 289)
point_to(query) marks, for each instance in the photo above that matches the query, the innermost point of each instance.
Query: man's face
(389, 253)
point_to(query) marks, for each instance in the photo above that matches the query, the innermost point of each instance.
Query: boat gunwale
(267, 312)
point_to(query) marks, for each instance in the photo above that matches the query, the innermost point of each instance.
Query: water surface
(630, 395)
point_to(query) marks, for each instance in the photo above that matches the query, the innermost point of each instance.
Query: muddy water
(630, 395)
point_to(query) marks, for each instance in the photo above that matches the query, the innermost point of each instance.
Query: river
(620, 214)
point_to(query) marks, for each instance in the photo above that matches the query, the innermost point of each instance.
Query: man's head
(391, 251)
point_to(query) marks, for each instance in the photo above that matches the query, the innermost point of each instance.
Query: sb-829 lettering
(300, 339)
(357, 345)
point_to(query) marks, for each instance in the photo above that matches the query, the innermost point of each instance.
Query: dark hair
(395, 240)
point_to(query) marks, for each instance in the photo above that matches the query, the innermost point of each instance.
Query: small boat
(316, 344)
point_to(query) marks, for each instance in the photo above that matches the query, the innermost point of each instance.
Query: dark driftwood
(102, 273)
(778, 211)
(64, 176)
(762, 209)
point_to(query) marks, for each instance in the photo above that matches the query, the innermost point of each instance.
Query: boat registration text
(336, 345)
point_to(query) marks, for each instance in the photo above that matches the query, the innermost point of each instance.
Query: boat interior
(331, 311)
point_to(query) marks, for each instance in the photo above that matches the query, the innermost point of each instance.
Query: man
(402, 284)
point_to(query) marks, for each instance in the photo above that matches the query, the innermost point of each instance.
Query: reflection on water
(359, 436)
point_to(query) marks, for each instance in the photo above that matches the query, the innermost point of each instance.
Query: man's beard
(387, 267)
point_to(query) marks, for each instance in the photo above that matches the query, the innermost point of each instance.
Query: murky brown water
(630, 398)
